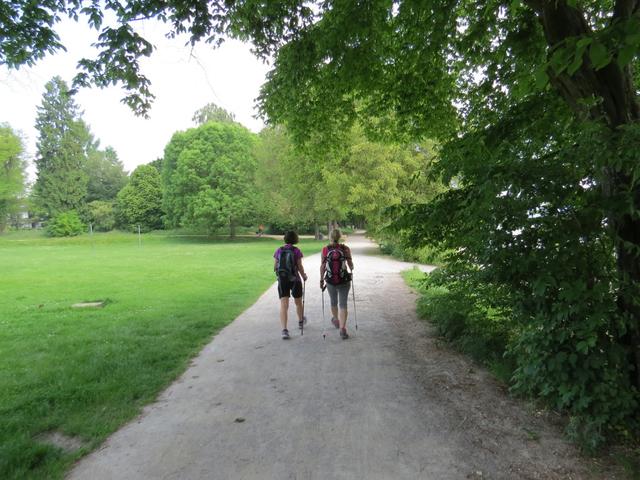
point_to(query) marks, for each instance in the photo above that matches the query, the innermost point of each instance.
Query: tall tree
(63, 139)
(290, 180)
(209, 177)
(140, 201)
(12, 175)
(357, 178)
(410, 63)
(212, 113)
(273, 205)
(370, 177)
(106, 175)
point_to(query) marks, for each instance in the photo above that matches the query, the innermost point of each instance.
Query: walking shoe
(285, 334)
(335, 322)
(343, 333)
(302, 322)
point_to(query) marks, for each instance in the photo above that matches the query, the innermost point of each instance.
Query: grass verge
(477, 330)
(85, 372)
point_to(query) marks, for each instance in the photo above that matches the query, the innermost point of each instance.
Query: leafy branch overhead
(28, 33)
(408, 59)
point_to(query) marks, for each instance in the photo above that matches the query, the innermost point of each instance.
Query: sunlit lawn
(85, 372)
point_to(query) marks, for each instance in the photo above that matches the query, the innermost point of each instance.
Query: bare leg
(284, 310)
(334, 311)
(298, 302)
(343, 318)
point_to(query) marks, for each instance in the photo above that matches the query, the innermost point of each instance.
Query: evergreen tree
(63, 140)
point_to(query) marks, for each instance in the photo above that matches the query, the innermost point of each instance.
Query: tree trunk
(3, 215)
(619, 106)
(316, 230)
(627, 237)
(232, 228)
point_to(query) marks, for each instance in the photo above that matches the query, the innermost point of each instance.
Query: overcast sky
(183, 80)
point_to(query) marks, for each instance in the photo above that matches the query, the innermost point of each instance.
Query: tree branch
(624, 9)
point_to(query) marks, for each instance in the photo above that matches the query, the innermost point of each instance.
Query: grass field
(84, 372)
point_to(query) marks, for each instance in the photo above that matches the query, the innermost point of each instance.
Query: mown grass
(84, 372)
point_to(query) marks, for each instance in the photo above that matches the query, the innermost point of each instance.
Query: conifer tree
(61, 183)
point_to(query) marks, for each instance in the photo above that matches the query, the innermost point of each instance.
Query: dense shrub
(66, 224)
(476, 321)
(524, 223)
(140, 201)
(425, 254)
(101, 215)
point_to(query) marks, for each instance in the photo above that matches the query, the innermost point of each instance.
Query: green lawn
(86, 372)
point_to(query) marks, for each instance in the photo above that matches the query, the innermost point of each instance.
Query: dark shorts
(287, 288)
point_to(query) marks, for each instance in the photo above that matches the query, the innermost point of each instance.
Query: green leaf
(577, 61)
(559, 61)
(633, 39)
(582, 346)
(584, 42)
(599, 55)
(516, 4)
(626, 54)
(542, 79)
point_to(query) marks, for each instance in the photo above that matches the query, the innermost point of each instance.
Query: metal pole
(324, 326)
(304, 287)
(353, 290)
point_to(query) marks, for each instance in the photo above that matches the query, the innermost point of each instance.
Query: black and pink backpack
(336, 271)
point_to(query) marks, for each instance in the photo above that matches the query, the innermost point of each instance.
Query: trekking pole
(353, 290)
(304, 288)
(324, 323)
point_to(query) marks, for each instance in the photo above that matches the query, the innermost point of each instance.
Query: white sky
(183, 80)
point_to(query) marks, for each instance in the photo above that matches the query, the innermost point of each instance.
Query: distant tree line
(78, 184)
(217, 176)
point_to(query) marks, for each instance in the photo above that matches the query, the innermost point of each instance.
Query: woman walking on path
(333, 270)
(288, 268)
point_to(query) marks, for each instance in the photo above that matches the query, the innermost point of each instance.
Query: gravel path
(389, 403)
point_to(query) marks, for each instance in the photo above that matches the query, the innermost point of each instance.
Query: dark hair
(291, 237)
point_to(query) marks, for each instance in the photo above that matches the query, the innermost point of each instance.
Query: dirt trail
(389, 403)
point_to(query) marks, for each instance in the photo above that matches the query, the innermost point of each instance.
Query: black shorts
(287, 288)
